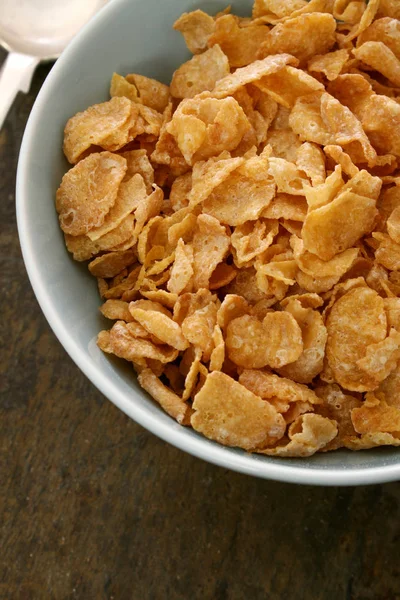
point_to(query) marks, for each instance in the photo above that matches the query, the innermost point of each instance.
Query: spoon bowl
(33, 31)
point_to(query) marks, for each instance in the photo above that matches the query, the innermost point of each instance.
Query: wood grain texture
(93, 507)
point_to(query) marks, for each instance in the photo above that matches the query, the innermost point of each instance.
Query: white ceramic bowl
(131, 36)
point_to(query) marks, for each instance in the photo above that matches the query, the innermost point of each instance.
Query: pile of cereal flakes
(244, 225)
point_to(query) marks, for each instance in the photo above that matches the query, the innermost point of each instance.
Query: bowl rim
(195, 445)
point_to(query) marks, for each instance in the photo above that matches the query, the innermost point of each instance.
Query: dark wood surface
(93, 507)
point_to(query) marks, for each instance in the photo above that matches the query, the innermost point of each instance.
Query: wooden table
(94, 507)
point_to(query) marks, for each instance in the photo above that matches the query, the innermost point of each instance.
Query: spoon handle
(15, 76)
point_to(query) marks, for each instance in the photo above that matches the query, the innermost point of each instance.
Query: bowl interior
(130, 36)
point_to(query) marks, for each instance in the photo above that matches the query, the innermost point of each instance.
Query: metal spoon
(33, 31)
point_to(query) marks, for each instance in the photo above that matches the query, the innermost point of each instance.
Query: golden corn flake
(355, 321)
(252, 238)
(83, 248)
(274, 342)
(206, 127)
(240, 44)
(218, 354)
(381, 358)
(288, 178)
(288, 84)
(198, 329)
(364, 22)
(126, 345)
(348, 12)
(393, 224)
(104, 125)
(275, 9)
(315, 284)
(306, 121)
(283, 271)
(122, 88)
(372, 440)
(283, 143)
(199, 74)
(307, 435)
(310, 159)
(388, 252)
(158, 324)
(129, 197)
(338, 406)
(312, 265)
(210, 246)
(168, 400)
(251, 73)
(179, 193)
(88, 191)
(270, 386)
(152, 305)
(192, 375)
(188, 303)
(232, 307)
(387, 202)
(376, 415)
(182, 270)
(222, 275)
(244, 196)
(384, 30)
(392, 308)
(314, 335)
(225, 411)
(196, 27)
(302, 37)
(151, 93)
(338, 225)
(330, 64)
(322, 119)
(110, 264)
(380, 58)
(209, 175)
(117, 310)
(147, 208)
(137, 161)
(286, 206)
(379, 116)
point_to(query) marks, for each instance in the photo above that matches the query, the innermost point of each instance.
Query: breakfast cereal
(243, 224)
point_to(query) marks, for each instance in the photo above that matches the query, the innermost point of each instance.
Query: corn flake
(330, 64)
(83, 248)
(110, 264)
(182, 270)
(274, 342)
(151, 93)
(302, 37)
(227, 412)
(238, 43)
(214, 125)
(308, 434)
(88, 191)
(198, 329)
(196, 28)
(288, 84)
(125, 345)
(355, 321)
(168, 400)
(251, 73)
(338, 225)
(199, 74)
(106, 125)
